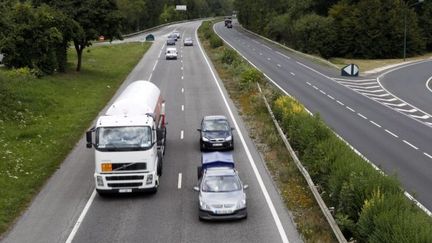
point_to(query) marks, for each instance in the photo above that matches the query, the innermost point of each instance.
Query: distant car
(221, 192)
(172, 36)
(171, 53)
(188, 41)
(177, 34)
(229, 25)
(171, 41)
(216, 133)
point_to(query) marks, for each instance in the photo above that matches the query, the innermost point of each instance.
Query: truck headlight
(149, 179)
(99, 181)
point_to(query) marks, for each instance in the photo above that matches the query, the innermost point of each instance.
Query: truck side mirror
(89, 139)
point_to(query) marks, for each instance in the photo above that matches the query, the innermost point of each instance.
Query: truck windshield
(123, 138)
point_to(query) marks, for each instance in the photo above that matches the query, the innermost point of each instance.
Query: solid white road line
(427, 84)
(267, 197)
(412, 146)
(81, 218)
(179, 183)
(181, 134)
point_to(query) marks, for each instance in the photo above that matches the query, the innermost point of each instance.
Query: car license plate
(125, 190)
(223, 211)
(217, 144)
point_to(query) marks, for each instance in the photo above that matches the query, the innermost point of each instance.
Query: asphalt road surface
(391, 135)
(67, 208)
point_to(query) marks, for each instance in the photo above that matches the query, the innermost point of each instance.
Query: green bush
(249, 78)
(391, 218)
(347, 182)
(215, 41)
(228, 56)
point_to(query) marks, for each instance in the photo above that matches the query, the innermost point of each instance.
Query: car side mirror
(245, 187)
(196, 188)
(232, 128)
(199, 129)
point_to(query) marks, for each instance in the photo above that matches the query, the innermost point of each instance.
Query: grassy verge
(42, 119)
(236, 75)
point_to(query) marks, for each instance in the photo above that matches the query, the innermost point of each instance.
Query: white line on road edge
(81, 218)
(273, 211)
(179, 181)
(181, 134)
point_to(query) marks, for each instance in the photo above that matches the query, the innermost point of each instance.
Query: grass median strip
(41, 119)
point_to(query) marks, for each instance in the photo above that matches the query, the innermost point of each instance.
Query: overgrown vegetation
(371, 29)
(368, 206)
(42, 119)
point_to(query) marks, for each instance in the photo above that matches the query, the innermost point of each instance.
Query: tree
(93, 19)
(33, 38)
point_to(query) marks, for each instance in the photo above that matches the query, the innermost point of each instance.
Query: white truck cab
(129, 141)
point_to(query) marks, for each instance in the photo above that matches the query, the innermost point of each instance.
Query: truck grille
(129, 166)
(124, 178)
(129, 185)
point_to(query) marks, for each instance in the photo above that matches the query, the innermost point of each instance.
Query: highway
(369, 117)
(68, 210)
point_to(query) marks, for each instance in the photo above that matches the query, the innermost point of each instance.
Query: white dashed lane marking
(394, 135)
(376, 124)
(409, 144)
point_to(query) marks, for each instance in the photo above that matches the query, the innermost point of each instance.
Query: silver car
(188, 41)
(221, 192)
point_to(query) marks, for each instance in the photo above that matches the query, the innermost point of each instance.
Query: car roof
(214, 117)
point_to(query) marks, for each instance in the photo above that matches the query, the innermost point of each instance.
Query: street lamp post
(405, 26)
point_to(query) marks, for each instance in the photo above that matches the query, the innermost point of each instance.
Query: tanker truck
(129, 141)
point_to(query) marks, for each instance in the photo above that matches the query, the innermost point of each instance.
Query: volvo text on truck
(129, 141)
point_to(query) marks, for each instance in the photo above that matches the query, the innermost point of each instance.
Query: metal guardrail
(305, 173)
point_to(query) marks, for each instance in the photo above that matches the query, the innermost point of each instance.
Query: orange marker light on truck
(106, 167)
